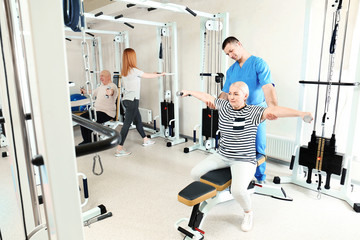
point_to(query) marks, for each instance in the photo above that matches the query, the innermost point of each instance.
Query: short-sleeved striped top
(238, 130)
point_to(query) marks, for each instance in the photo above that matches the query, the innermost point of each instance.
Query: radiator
(279, 147)
(146, 115)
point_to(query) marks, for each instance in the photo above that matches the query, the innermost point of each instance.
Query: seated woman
(238, 126)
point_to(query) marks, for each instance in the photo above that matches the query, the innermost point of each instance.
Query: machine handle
(89, 148)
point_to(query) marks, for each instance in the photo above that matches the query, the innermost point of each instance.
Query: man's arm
(83, 91)
(284, 112)
(270, 95)
(111, 90)
(206, 98)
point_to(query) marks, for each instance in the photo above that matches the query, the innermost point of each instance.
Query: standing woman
(131, 77)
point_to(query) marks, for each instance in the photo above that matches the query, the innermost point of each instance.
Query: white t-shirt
(103, 103)
(131, 84)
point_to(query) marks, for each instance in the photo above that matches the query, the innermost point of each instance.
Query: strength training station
(179, 119)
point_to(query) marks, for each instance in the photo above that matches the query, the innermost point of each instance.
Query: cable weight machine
(212, 66)
(167, 106)
(168, 86)
(320, 148)
(169, 127)
(320, 154)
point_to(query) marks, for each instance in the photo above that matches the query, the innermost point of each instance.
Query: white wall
(272, 30)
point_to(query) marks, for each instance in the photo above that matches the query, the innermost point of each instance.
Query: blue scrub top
(255, 73)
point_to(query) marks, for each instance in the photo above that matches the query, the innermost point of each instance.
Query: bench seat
(195, 193)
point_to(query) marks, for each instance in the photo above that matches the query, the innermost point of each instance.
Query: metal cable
(319, 74)
(341, 65)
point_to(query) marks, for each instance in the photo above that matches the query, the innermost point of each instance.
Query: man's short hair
(228, 40)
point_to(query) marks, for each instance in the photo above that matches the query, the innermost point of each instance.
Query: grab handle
(89, 148)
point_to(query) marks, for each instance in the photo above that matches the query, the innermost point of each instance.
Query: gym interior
(54, 188)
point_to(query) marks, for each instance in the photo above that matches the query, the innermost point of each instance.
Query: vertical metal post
(225, 34)
(8, 76)
(45, 40)
(202, 66)
(302, 94)
(12, 12)
(117, 55)
(126, 38)
(175, 77)
(94, 67)
(161, 80)
(355, 103)
(100, 54)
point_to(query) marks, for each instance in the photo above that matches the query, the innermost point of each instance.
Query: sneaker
(148, 142)
(121, 153)
(247, 222)
(261, 182)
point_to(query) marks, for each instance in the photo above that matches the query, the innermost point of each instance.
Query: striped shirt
(238, 130)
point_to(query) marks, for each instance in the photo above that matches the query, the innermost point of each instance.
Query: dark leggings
(132, 114)
(101, 118)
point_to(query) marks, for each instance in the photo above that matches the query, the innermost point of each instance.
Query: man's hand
(82, 90)
(109, 92)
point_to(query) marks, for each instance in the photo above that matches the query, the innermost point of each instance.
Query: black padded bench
(218, 179)
(195, 193)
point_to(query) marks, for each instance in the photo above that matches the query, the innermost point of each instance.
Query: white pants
(241, 172)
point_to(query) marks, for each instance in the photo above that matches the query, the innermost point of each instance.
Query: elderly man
(105, 105)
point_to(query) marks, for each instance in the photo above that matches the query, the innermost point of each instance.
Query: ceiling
(115, 8)
(92, 5)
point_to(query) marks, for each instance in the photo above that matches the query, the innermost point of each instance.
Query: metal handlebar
(112, 141)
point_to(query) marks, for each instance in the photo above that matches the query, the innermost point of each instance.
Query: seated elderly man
(105, 105)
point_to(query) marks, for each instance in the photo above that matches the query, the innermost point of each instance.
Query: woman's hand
(185, 93)
(271, 116)
(160, 74)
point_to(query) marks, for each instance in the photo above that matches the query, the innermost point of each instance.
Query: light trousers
(241, 172)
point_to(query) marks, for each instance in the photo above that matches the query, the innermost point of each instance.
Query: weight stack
(167, 114)
(332, 160)
(210, 124)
